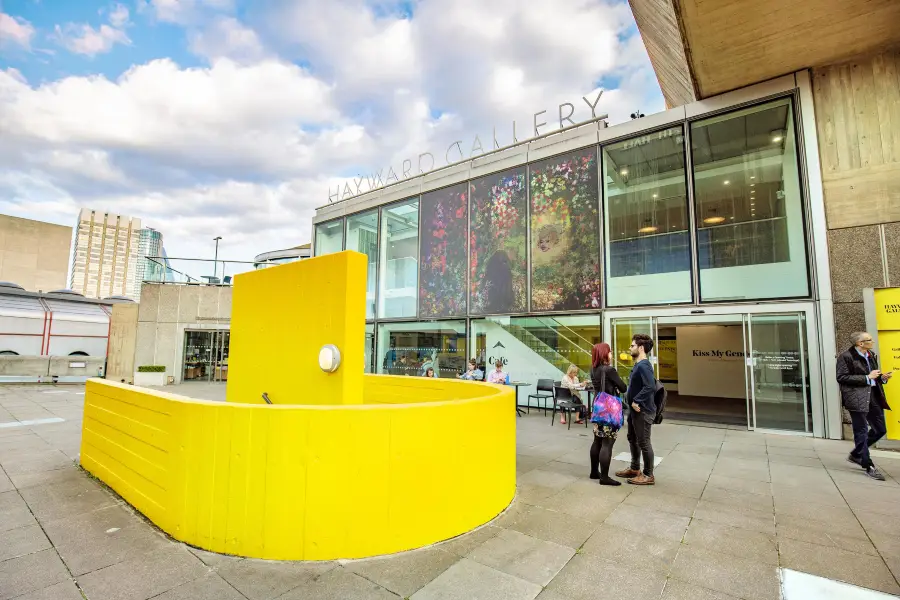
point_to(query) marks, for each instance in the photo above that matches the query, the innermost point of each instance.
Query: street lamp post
(216, 259)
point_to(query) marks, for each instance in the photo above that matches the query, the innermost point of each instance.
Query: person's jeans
(639, 424)
(868, 428)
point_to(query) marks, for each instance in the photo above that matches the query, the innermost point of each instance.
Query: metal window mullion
(692, 212)
(602, 233)
(528, 308)
(803, 387)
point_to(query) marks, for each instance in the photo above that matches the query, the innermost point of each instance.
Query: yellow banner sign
(887, 318)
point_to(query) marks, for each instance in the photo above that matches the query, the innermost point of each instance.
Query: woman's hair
(600, 354)
(572, 370)
(499, 364)
(472, 362)
(429, 370)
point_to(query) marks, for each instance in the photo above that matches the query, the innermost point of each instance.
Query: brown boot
(642, 479)
(627, 473)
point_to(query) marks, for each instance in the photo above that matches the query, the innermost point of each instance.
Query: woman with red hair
(605, 379)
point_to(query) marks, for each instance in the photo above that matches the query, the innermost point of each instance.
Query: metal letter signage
(455, 153)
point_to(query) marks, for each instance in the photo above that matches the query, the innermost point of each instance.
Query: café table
(517, 385)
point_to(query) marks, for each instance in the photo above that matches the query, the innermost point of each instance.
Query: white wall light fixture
(329, 358)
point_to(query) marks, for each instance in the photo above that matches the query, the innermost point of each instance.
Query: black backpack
(659, 397)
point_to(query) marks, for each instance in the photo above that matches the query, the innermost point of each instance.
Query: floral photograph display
(497, 243)
(442, 266)
(565, 232)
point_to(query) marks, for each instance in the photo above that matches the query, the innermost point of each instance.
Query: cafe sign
(426, 161)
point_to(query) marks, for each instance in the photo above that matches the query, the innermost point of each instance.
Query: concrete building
(34, 254)
(105, 255)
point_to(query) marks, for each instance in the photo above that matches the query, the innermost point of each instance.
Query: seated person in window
(473, 373)
(497, 375)
(570, 381)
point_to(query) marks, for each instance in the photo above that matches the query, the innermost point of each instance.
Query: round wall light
(329, 358)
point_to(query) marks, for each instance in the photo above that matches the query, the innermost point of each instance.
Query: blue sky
(235, 118)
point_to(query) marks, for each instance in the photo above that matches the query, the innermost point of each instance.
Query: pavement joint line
(31, 422)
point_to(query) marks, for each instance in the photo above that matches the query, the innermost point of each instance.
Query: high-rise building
(151, 245)
(105, 256)
(34, 254)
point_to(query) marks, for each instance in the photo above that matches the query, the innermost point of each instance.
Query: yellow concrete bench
(417, 462)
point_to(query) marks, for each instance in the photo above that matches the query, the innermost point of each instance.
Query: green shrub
(151, 369)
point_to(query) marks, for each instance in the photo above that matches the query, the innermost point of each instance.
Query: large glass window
(329, 237)
(533, 348)
(370, 348)
(362, 236)
(398, 260)
(565, 232)
(442, 263)
(411, 348)
(648, 254)
(497, 242)
(750, 234)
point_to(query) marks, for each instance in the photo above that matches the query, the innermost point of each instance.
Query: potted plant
(150, 375)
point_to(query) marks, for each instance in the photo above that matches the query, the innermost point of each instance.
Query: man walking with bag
(862, 394)
(641, 398)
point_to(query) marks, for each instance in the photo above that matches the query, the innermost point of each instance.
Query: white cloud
(249, 145)
(226, 37)
(119, 15)
(84, 39)
(15, 31)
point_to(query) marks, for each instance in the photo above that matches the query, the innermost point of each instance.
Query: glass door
(622, 332)
(778, 372)
(206, 355)
(220, 343)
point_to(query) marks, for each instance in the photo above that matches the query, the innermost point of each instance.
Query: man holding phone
(862, 394)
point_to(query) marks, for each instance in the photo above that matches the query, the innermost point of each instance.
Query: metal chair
(543, 385)
(563, 402)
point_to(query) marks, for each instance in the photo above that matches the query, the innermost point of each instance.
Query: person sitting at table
(570, 381)
(497, 375)
(429, 372)
(473, 374)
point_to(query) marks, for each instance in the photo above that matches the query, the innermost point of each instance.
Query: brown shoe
(642, 480)
(628, 473)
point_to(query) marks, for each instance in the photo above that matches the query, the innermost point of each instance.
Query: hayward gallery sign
(454, 153)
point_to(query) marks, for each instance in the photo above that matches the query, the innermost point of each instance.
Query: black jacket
(642, 387)
(852, 373)
(611, 383)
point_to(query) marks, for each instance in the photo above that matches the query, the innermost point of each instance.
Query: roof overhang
(700, 48)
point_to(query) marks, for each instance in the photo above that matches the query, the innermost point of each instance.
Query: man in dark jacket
(641, 396)
(862, 394)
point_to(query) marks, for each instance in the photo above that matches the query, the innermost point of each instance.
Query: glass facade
(565, 236)
(442, 266)
(362, 236)
(518, 264)
(749, 206)
(648, 251)
(411, 348)
(497, 244)
(329, 237)
(398, 261)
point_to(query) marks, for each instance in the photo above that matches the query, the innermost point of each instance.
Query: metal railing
(197, 271)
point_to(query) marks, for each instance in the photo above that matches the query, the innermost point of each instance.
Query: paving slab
(143, 577)
(837, 564)
(65, 590)
(650, 522)
(724, 573)
(208, 587)
(467, 580)
(23, 540)
(19, 576)
(656, 554)
(735, 541)
(587, 577)
(679, 590)
(523, 556)
(406, 573)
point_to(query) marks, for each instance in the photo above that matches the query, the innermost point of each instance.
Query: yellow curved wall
(419, 461)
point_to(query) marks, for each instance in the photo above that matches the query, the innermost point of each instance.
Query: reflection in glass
(329, 237)
(442, 264)
(497, 244)
(750, 233)
(533, 348)
(565, 236)
(780, 382)
(362, 236)
(410, 348)
(370, 348)
(397, 263)
(624, 331)
(648, 254)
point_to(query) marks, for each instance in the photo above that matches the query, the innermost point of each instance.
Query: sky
(235, 118)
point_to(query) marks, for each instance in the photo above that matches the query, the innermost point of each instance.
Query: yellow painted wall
(887, 316)
(282, 316)
(420, 461)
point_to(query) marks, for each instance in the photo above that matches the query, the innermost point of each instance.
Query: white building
(105, 255)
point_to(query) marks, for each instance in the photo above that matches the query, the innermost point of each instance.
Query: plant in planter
(150, 375)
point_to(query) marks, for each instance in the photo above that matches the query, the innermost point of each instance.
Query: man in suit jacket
(862, 394)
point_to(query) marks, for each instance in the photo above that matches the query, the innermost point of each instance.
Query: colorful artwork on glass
(497, 244)
(442, 266)
(565, 233)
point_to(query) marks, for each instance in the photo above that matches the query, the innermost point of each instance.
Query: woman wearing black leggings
(605, 379)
